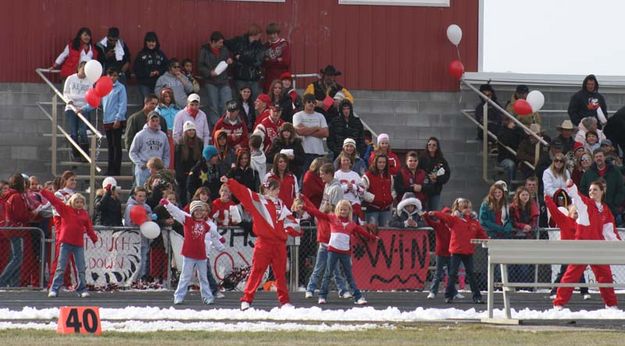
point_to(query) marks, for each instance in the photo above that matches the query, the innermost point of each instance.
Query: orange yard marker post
(79, 320)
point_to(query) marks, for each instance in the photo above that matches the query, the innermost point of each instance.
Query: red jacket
(193, 245)
(240, 129)
(288, 190)
(462, 231)
(16, 211)
(70, 65)
(592, 224)
(264, 114)
(218, 211)
(74, 222)
(442, 234)
(272, 219)
(408, 179)
(270, 131)
(382, 187)
(393, 161)
(516, 215)
(312, 187)
(566, 224)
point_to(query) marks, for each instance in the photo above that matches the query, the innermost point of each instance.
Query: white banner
(115, 259)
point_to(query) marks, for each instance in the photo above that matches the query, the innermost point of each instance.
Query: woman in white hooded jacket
(555, 177)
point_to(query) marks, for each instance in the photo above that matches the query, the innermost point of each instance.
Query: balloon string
(458, 52)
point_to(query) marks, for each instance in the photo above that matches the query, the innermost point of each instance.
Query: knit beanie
(196, 205)
(349, 141)
(209, 152)
(383, 136)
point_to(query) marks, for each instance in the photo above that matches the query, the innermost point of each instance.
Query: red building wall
(376, 47)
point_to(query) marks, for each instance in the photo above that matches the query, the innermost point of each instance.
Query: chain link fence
(22, 257)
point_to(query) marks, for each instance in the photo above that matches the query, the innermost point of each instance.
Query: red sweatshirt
(442, 234)
(218, 210)
(74, 222)
(462, 231)
(566, 224)
(312, 187)
(393, 161)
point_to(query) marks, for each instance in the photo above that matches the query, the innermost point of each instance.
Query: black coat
(340, 129)
(431, 165)
(248, 66)
(297, 163)
(108, 210)
(511, 138)
(247, 177)
(578, 106)
(202, 175)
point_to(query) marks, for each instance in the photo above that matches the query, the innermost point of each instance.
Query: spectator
(566, 135)
(509, 136)
(325, 88)
(521, 94)
(108, 206)
(247, 107)
(614, 194)
(442, 235)
(279, 97)
(384, 148)
(379, 193)
(495, 117)
(289, 89)
(277, 55)
(262, 107)
(74, 90)
(494, 213)
(206, 173)
(368, 146)
(187, 71)
(588, 124)
(588, 102)
(168, 109)
(150, 64)
(193, 113)
(287, 181)
(352, 186)
(332, 189)
(243, 172)
(591, 142)
(226, 156)
(234, 126)
(313, 128)
(349, 149)
(437, 169)
(137, 120)
(583, 164)
(269, 126)
(188, 154)
(79, 49)
(175, 80)
(524, 213)
(221, 207)
(148, 143)
(114, 122)
(248, 54)
(408, 212)
(611, 156)
(288, 143)
(555, 177)
(532, 151)
(346, 125)
(113, 52)
(138, 198)
(312, 186)
(411, 178)
(258, 160)
(217, 86)
(159, 182)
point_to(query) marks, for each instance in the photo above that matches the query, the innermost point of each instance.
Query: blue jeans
(145, 259)
(211, 278)
(141, 175)
(442, 263)
(380, 218)
(218, 95)
(11, 274)
(467, 260)
(346, 263)
(320, 266)
(79, 258)
(434, 202)
(77, 128)
(509, 166)
(189, 266)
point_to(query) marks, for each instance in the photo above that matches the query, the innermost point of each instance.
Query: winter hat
(232, 105)
(286, 75)
(264, 98)
(209, 152)
(577, 146)
(188, 125)
(383, 136)
(339, 96)
(349, 141)
(195, 205)
(409, 198)
(109, 181)
(503, 185)
(606, 142)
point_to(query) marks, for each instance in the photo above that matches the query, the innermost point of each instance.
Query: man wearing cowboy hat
(325, 88)
(566, 130)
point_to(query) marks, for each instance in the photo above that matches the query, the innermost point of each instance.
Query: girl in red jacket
(594, 222)
(288, 182)
(81, 48)
(74, 222)
(443, 257)
(273, 222)
(464, 227)
(379, 191)
(341, 229)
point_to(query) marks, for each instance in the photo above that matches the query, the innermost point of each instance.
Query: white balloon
(93, 70)
(536, 99)
(454, 34)
(150, 229)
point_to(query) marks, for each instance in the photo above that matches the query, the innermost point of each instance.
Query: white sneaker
(308, 295)
(85, 294)
(208, 301)
(613, 307)
(458, 296)
(361, 301)
(52, 294)
(587, 296)
(322, 301)
(558, 307)
(553, 296)
(431, 295)
(287, 306)
(178, 302)
(219, 295)
(245, 306)
(346, 295)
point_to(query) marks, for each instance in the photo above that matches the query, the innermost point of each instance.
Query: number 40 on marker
(79, 320)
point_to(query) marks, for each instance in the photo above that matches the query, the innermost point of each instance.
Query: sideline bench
(505, 252)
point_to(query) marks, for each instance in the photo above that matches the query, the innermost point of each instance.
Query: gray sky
(554, 36)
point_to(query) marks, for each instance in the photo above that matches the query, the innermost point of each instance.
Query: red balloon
(456, 69)
(104, 86)
(92, 98)
(522, 107)
(138, 215)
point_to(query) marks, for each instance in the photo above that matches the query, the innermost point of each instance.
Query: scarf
(119, 48)
(192, 112)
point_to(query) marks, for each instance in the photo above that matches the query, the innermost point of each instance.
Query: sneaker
(287, 306)
(553, 296)
(308, 295)
(478, 301)
(448, 300)
(178, 301)
(558, 307)
(245, 306)
(587, 296)
(361, 301)
(458, 296)
(208, 301)
(219, 295)
(431, 295)
(321, 300)
(346, 295)
(612, 307)
(85, 294)
(52, 294)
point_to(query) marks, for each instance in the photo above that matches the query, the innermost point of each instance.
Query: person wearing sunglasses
(555, 177)
(176, 81)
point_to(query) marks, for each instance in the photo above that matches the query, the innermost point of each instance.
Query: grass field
(428, 334)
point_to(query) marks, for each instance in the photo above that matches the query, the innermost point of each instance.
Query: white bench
(505, 252)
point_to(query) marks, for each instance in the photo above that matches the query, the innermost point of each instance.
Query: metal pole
(169, 254)
(54, 139)
(92, 174)
(485, 143)
(42, 257)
